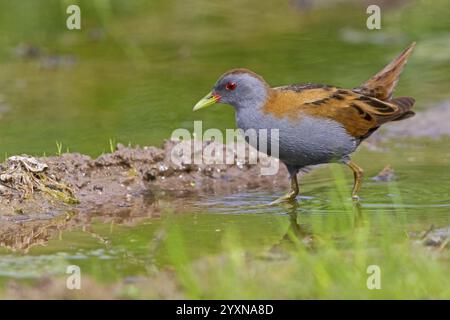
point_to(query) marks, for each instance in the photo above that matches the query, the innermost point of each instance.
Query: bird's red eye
(231, 86)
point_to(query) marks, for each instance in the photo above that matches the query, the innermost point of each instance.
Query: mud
(130, 182)
(434, 238)
(118, 180)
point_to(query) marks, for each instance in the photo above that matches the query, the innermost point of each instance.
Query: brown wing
(360, 115)
(382, 85)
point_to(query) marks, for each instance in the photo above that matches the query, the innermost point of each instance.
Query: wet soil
(130, 182)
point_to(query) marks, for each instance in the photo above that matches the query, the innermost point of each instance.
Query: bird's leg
(290, 196)
(358, 174)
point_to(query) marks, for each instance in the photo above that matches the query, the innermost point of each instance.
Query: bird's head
(240, 88)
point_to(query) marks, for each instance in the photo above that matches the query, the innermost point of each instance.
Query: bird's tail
(382, 85)
(405, 105)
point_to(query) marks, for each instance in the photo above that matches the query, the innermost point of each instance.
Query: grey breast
(306, 141)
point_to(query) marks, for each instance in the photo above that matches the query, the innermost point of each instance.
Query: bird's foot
(355, 197)
(288, 198)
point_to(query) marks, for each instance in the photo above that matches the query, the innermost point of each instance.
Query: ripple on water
(257, 203)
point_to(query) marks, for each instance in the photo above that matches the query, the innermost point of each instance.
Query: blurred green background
(135, 69)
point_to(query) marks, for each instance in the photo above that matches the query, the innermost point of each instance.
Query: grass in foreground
(312, 252)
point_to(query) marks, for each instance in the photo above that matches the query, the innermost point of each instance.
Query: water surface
(133, 74)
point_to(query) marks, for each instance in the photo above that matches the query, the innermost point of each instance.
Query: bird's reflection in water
(358, 220)
(297, 233)
(300, 234)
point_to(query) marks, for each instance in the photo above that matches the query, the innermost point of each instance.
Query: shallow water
(133, 75)
(115, 250)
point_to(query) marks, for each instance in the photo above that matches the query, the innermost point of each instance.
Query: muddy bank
(117, 180)
(435, 238)
(131, 182)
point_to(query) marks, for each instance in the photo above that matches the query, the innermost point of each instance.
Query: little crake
(317, 123)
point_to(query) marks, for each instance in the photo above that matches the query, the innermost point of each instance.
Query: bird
(316, 123)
